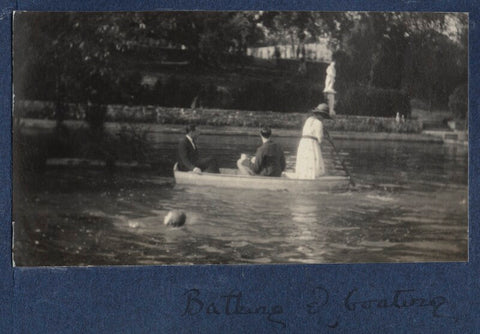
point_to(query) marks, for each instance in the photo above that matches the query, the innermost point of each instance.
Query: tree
(418, 52)
(77, 57)
(435, 66)
(207, 36)
(73, 56)
(298, 27)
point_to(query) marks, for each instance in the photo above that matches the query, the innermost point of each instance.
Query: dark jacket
(269, 160)
(187, 156)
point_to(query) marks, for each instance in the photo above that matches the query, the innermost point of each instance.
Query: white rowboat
(229, 178)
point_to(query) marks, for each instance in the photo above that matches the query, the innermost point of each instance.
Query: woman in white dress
(309, 163)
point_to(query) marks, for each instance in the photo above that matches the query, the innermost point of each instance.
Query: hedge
(220, 117)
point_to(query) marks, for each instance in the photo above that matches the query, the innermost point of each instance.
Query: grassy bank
(219, 117)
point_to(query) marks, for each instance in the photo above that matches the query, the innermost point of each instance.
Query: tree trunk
(292, 39)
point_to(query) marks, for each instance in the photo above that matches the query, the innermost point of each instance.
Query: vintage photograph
(239, 137)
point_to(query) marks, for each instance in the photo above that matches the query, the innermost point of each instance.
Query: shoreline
(41, 125)
(292, 133)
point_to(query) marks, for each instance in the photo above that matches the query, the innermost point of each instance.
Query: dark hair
(190, 128)
(266, 132)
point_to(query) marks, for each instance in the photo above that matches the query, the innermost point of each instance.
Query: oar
(338, 154)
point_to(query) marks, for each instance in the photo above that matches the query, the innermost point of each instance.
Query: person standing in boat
(309, 164)
(188, 157)
(269, 159)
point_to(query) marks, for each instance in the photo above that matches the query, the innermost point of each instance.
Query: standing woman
(309, 163)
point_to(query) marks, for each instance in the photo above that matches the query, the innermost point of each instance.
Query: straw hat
(322, 110)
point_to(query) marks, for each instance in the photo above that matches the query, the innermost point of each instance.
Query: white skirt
(309, 163)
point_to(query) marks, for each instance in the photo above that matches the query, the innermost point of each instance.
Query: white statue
(330, 79)
(329, 91)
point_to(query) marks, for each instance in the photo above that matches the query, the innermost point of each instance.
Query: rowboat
(229, 178)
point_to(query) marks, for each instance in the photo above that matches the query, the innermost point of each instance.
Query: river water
(410, 204)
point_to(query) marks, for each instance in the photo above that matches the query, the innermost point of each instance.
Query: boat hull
(229, 179)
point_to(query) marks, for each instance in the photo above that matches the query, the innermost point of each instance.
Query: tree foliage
(77, 55)
(424, 54)
(298, 27)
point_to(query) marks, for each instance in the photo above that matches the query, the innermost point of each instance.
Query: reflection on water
(410, 205)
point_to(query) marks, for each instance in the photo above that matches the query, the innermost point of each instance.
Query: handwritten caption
(234, 303)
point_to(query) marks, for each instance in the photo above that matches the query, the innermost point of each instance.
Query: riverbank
(30, 126)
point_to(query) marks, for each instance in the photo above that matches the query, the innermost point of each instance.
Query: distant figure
(188, 156)
(269, 159)
(301, 52)
(277, 55)
(309, 164)
(397, 118)
(302, 68)
(330, 79)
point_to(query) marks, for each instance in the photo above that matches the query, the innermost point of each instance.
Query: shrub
(170, 91)
(373, 124)
(458, 102)
(371, 101)
(95, 116)
(129, 89)
(254, 93)
(175, 92)
(272, 96)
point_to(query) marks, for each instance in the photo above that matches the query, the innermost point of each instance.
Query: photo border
(311, 298)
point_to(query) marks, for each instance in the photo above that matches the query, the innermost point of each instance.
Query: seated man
(188, 156)
(269, 159)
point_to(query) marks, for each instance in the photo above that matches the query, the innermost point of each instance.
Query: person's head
(191, 131)
(265, 133)
(321, 111)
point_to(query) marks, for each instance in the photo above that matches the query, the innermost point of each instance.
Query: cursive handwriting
(229, 305)
(321, 297)
(399, 300)
(317, 305)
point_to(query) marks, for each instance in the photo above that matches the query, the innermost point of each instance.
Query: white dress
(309, 163)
